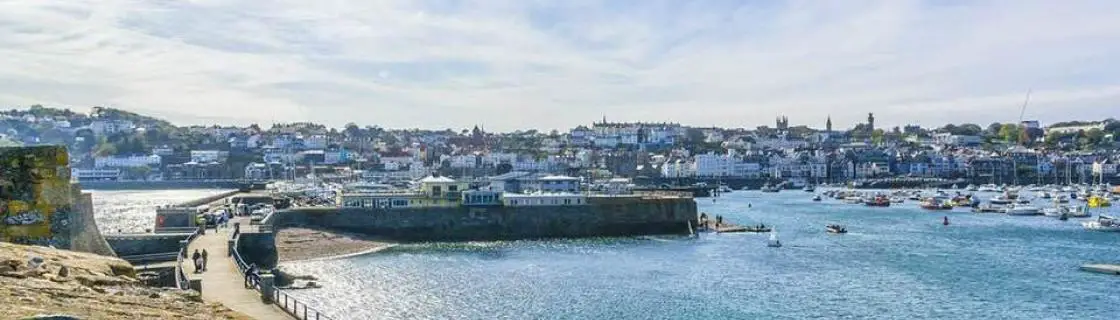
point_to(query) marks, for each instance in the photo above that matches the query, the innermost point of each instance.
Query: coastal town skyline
(520, 65)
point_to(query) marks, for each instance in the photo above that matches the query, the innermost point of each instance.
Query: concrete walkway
(222, 282)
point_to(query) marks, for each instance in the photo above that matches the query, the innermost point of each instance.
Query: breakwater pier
(253, 242)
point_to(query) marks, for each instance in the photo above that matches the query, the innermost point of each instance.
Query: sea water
(895, 263)
(126, 211)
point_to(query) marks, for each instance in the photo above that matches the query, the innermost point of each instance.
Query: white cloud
(554, 64)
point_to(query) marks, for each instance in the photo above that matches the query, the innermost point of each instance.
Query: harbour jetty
(598, 216)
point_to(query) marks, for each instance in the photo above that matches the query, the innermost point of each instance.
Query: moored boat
(935, 203)
(1001, 200)
(878, 201)
(1022, 210)
(817, 197)
(835, 228)
(1103, 223)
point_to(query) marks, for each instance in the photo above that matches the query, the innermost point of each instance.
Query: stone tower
(870, 121)
(828, 124)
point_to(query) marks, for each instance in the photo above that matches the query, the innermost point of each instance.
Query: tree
(1009, 132)
(877, 136)
(1093, 138)
(993, 129)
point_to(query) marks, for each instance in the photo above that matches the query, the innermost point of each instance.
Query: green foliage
(1009, 132)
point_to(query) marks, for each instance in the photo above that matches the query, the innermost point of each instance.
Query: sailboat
(774, 239)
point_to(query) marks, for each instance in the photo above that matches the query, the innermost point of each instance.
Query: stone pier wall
(603, 216)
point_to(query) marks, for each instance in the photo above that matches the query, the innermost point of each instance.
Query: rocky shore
(294, 244)
(38, 282)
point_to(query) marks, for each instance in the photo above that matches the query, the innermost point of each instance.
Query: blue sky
(556, 64)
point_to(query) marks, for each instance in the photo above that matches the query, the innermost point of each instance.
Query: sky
(522, 64)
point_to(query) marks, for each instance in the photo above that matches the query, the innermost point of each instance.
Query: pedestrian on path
(249, 272)
(204, 256)
(197, 258)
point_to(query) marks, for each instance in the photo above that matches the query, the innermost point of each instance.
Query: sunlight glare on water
(135, 210)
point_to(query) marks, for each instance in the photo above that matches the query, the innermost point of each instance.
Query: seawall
(602, 216)
(207, 200)
(145, 243)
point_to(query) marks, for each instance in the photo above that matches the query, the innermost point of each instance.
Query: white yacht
(1103, 223)
(988, 188)
(1001, 200)
(1022, 210)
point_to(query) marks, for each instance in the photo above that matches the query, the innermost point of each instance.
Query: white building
(315, 142)
(207, 156)
(543, 199)
(95, 174)
(713, 165)
(127, 161)
(678, 168)
(107, 127)
(1073, 129)
(956, 140)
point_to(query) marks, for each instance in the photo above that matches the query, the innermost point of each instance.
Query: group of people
(199, 259)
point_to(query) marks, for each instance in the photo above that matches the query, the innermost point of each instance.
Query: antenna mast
(1023, 110)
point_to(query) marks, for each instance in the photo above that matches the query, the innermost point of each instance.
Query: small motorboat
(809, 188)
(817, 198)
(1078, 212)
(1001, 200)
(1103, 223)
(878, 201)
(774, 242)
(1056, 211)
(723, 188)
(835, 228)
(986, 208)
(898, 200)
(936, 204)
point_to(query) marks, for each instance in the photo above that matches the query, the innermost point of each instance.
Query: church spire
(828, 124)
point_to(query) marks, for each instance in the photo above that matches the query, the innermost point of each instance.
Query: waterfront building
(443, 191)
(95, 174)
(127, 161)
(543, 199)
(482, 198)
(555, 184)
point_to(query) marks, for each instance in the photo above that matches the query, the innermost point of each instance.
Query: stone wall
(622, 216)
(39, 205)
(84, 234)
(137, 244)
(258, 248)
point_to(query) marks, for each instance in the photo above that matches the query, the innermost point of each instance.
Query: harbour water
(119, 211)
(895, 263)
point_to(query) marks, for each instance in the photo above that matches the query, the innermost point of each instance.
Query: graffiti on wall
(35, 199)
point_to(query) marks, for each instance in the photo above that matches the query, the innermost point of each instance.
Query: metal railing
(297, 309)
(291, 305)
(182, 282)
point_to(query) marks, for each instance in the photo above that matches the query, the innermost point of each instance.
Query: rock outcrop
(46, 283)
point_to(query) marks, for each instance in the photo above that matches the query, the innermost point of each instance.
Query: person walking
(197, 258)
(204, 256)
